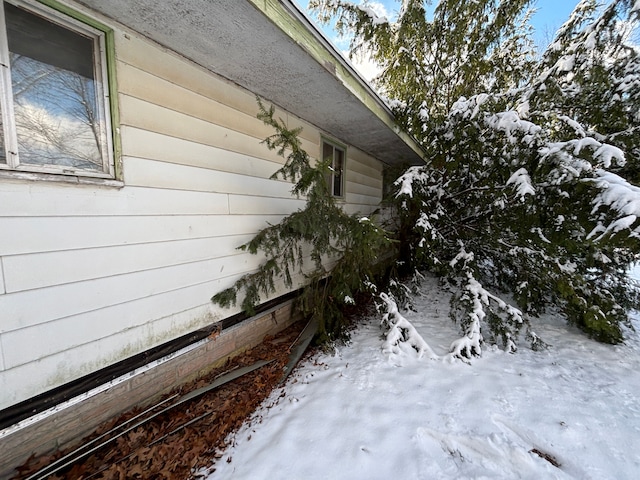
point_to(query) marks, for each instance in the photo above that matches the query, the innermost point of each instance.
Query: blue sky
(550, 15)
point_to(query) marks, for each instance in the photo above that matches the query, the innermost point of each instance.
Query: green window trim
(44, 153)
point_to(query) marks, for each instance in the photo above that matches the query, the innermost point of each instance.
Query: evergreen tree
(428, 64)
(524, 189)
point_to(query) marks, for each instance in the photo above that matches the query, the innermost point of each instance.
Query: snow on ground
(360, 414)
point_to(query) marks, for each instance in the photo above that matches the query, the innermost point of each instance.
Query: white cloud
(363, 63)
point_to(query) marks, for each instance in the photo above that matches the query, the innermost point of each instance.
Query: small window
(335, 156)
(54, 102)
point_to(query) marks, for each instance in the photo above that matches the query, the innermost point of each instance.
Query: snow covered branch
(482, 309)
(402, 337)
(623, 198)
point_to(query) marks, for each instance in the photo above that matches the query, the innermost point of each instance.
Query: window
(335, 157)
(54, 96)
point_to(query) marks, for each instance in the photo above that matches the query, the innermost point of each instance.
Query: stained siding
(92, 275)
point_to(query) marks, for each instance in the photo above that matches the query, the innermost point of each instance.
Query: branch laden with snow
(616, 194)
(483, 307)
(401, 336)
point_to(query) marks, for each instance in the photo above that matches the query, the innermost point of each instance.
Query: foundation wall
(66, 425)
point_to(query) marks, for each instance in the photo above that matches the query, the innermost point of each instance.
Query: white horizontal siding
(136, 51)
(147, 116)
(137, 83)
(71, 363)
(3, 288)
(65, 334)
(22, 235)
(363, 164)
(154, 146)
(69, 266)
(150, 173)
(361, 199)
(363, 185)
(36, 307)
(128, 323)
(2, 367)
(364, 190)
(253, 205)
(45, 200)
(365, 180)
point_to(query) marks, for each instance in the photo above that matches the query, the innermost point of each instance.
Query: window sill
(69, 179)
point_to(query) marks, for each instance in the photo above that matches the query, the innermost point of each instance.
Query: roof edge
(296, 24)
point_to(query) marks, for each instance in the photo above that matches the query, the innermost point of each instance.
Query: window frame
(102, 38)
(331, 176)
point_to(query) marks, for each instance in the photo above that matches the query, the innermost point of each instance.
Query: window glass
(327, 152)
(58, 118)
(338, 165)
(335, 157)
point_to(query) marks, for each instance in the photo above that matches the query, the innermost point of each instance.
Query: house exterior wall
(93, 274)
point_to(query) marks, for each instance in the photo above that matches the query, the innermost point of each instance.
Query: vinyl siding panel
(2, 367)
(149, 173)
(367, 200)
(47, 200)
(36, 307)
(44, 234)
(364, 165)
(363, 185)
(70, 364)
(373, 182)
(147, 116)
(356, 188)
(3, 288)
(142, 55)
(70, 266)
(155, 146)
(133, 50)
(252, 205)
(137, 83)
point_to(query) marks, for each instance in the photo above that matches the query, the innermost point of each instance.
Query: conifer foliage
(337, 255)
(530, 183)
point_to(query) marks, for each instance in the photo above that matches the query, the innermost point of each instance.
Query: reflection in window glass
(338, 165)
(327, 153)
(54, 92)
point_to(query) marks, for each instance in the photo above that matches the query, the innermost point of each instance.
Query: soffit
(268, 49)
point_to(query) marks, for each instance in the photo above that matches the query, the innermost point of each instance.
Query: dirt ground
(166, 448)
